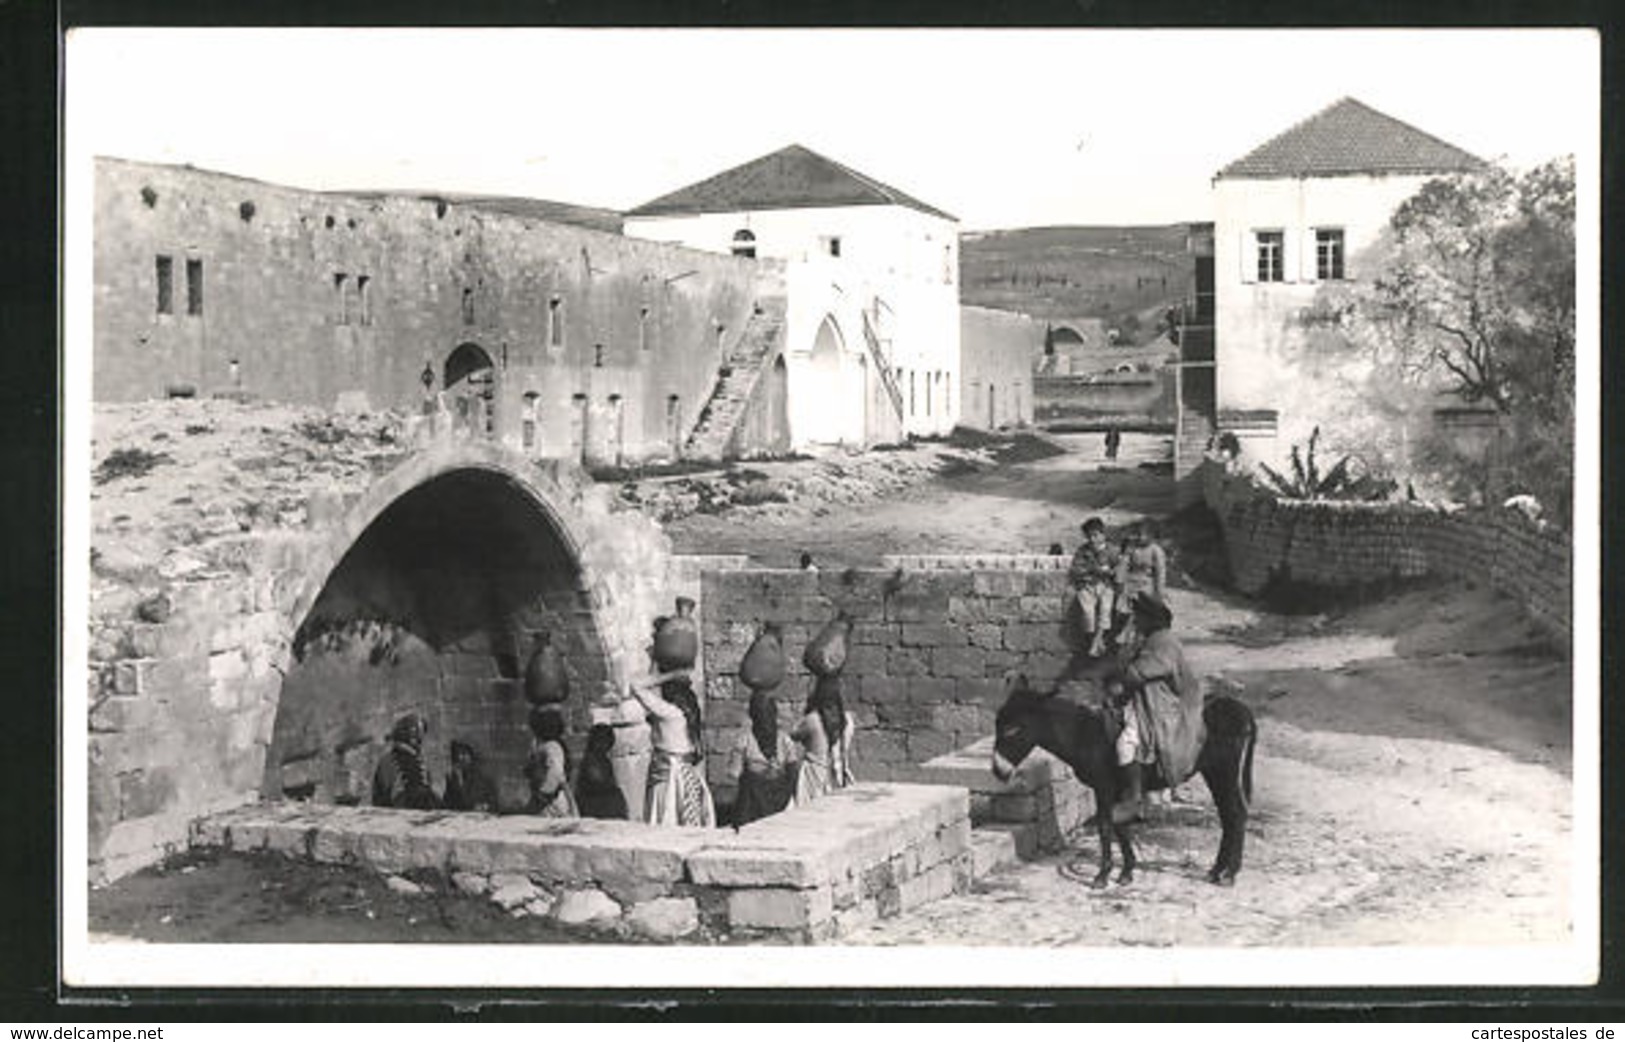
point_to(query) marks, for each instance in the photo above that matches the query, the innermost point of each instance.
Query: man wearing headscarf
(401, 779)
(1161, 703)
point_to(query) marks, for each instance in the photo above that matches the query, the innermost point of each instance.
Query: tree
(1473, 293)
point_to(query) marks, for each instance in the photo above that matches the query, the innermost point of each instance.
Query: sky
(1002, 128)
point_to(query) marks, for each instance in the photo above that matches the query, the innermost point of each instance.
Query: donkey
(1080, 737)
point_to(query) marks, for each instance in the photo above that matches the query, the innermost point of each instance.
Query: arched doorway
(433, 610)
(825, 384)
(470, 383)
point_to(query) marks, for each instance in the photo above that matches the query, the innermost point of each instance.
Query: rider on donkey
(1159, 699)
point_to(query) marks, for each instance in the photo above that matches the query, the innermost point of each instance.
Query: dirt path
(1412, 779)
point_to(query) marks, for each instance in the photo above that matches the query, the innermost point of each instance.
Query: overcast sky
(1001, 128)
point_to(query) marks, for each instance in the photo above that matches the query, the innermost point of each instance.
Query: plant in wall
(1307, 482)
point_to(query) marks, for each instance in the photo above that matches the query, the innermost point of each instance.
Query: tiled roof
(1348, 137)
(790, 178)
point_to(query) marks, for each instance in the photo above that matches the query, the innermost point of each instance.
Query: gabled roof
(791, 178)
(1348, 137)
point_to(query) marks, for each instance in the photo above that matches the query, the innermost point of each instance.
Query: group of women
(771, 768)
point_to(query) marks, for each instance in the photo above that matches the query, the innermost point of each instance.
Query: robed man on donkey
(1157, 699)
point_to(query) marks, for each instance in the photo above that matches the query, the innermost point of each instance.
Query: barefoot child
(1094, 576)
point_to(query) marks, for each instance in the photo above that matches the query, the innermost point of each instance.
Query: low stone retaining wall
(1338, 544)
(808, 874)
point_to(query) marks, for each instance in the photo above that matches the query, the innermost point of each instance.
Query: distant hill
(1125, 275)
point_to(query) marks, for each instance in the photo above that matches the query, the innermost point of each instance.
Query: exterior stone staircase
(741, 369)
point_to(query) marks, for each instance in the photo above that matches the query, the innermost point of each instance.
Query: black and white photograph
(652, 508)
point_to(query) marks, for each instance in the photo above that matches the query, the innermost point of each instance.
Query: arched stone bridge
(270, 660)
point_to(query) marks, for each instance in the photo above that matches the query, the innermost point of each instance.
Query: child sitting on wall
(1094, 579)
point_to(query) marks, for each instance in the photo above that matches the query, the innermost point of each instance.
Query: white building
(871, 342)
(1292, 215)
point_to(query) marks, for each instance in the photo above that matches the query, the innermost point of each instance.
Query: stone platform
(808, 874)
(1031, 814)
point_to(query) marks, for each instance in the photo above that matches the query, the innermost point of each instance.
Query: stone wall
(1137, 398)
(1335, 544)
(933, 639)
(998, 352)
(807, 874)
(596, 340)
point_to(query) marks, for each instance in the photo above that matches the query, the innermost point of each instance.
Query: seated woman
(678, 794)
(548, 769)
(401, 780)
(762, 764)
(598, 795)
(468, 787)
(825, 734)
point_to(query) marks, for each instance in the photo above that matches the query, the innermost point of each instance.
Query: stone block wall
(1352, 544)
(807, 874)
(932, 641)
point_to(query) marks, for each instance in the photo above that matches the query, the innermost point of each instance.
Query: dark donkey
(1080, 737)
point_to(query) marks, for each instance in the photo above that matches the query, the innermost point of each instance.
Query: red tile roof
(790, 178)
(1348, 137)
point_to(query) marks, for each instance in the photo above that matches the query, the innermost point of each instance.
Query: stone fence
(932, 641)
(1340, 544)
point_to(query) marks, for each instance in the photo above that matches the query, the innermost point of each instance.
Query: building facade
(557, 340)
(1291, 217)
(871, 342)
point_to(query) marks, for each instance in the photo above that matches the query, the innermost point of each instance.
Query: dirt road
(1412, 780)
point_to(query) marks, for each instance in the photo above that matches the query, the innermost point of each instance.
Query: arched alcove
(433, 609)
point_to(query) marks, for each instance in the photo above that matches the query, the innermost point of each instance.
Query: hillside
(1079, 271)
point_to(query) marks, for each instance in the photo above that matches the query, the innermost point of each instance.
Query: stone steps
(736, 381)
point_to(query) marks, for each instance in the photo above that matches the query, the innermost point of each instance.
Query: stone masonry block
(932, 635)
(957, 663)
(755, 868)
(985, 635)
(1000, 584)
(930, 690)
(924, 745)
(1040, 609)
(1029, 636)
(884, 633)
(878, 690)
(907, 663)
(866, 659)
(880, 747)
(980, 691)
(774, 908)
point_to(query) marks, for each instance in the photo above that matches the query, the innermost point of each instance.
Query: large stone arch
(428, 596)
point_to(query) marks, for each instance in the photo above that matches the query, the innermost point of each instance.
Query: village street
(1412, 782)
(1413, 772)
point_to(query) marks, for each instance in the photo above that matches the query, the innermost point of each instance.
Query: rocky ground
(1413, 772)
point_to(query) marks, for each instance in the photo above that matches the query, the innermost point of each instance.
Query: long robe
(1169, 698)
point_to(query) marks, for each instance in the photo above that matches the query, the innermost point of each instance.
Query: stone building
(559, 341)
(872, 275)
(1000, 351)
(1292, 216)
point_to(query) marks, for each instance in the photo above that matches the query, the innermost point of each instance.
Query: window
(948, 265)
(468, 307)
(1329, 254)
(341, 298)
(1271, 266)
(930, 379)
(166, 286)
(744, 243)
(643, 329)
(364, 299)
(555, 322)
(832, 245)
(194, 287)
(528, 424)
(598, 356)
(911, 392)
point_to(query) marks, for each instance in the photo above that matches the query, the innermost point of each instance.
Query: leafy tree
(1474, 295)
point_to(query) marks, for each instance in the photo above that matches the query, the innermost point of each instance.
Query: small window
(527, 428)
(948, 264)
(911, 392)
(555, 322)
(364, 298)
(341, 298)
(1271, 266)
(468, 307)
(744, 244)
(166, 286)
(643, 329)
(830, 244)
(598, 356)
(194, 286)
(1329, 254)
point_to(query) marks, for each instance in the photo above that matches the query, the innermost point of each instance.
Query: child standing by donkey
(1094, 575)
